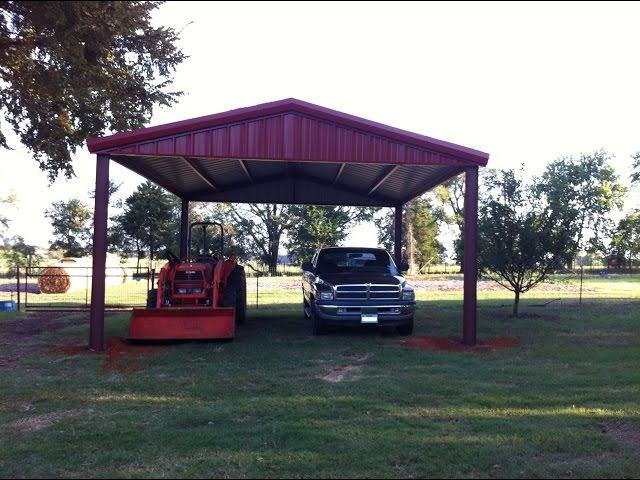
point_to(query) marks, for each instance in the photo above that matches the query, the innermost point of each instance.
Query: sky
(526, 82)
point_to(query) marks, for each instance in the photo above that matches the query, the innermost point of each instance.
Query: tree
(6, 202)
(625, 241)
(16, 253)
(71, 222)
(420, 246)
(450, 197)
(150, 222)
(522, 238)
(635, 176)
(312, 227)
(584, 191)
(112, 190)
(71, 70)
(261, 226)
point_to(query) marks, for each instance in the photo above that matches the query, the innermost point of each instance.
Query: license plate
(369, 318)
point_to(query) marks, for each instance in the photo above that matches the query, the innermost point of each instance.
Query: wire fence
(69, 288)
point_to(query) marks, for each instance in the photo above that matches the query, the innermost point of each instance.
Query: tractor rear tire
(235, 294)
(152, 296)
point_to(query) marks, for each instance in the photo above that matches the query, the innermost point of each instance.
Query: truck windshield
(364, 261)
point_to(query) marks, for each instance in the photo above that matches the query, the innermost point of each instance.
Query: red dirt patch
(120, 356)
(449, 344)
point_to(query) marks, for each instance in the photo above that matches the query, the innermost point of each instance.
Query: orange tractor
(199, 297)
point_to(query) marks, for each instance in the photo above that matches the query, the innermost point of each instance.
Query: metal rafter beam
(245, 168)
(200, 195)
(340, 170)
(200, 172)
(388, 172)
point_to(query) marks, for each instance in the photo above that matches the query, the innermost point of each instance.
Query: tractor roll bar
(204, 226)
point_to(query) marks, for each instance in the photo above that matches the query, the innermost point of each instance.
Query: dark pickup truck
(356, 286)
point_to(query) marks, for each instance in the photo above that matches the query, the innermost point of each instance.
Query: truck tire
(407, 328)
(235, 294)
(152, 296)
(318, 327)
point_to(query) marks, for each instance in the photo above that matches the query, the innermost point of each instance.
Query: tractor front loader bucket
(180, 323)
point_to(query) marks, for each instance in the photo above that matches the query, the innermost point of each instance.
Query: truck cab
(345, 286)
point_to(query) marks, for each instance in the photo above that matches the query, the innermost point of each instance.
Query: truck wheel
(318, 327)
(152, 296)
(407, 328)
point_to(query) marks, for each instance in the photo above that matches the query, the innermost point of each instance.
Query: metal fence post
(26, 287)
(18, 285)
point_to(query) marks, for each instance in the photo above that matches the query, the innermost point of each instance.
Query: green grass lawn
(565, 403)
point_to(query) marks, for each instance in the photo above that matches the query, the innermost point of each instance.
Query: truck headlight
(326, 295)
(408, 294)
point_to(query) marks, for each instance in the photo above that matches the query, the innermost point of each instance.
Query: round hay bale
(74, 274)
(54, 280)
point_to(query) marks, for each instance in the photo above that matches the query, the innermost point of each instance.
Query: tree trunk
(272, 260)
(410, 254)
(516, 303)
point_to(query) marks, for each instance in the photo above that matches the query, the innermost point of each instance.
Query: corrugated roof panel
(323, 171)
(361, 176)
(222, 171)
(265, 168)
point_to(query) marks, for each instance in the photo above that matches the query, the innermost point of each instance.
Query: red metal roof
(288, 151)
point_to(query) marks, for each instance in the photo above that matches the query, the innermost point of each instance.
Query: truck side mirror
(307, 266)
(403, 267)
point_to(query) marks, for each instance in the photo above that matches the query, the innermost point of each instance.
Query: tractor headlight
(326, 295)
(408, 294)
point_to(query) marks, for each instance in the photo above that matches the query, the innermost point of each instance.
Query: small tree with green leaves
(71, 221)
(521, 238)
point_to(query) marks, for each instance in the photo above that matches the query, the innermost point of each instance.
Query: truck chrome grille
(363, 292)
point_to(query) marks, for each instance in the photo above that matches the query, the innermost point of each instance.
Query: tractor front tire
(152, 296)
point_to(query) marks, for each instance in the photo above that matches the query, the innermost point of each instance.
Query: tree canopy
(420, 245)
(635, 175)
(521, 238)
(583, 191)
(312, 227)
(4, 203)
(71, 70)
(149, 222)
(71, 222)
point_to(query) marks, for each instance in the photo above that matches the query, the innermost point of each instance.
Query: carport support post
(184, 229)
(470, 263)
(100, 214)
(397, 236)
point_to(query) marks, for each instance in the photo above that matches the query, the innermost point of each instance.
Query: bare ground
(19, 337)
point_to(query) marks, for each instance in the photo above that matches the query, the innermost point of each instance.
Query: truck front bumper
(389, 313)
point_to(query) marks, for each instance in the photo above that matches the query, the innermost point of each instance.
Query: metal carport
(288, 151)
